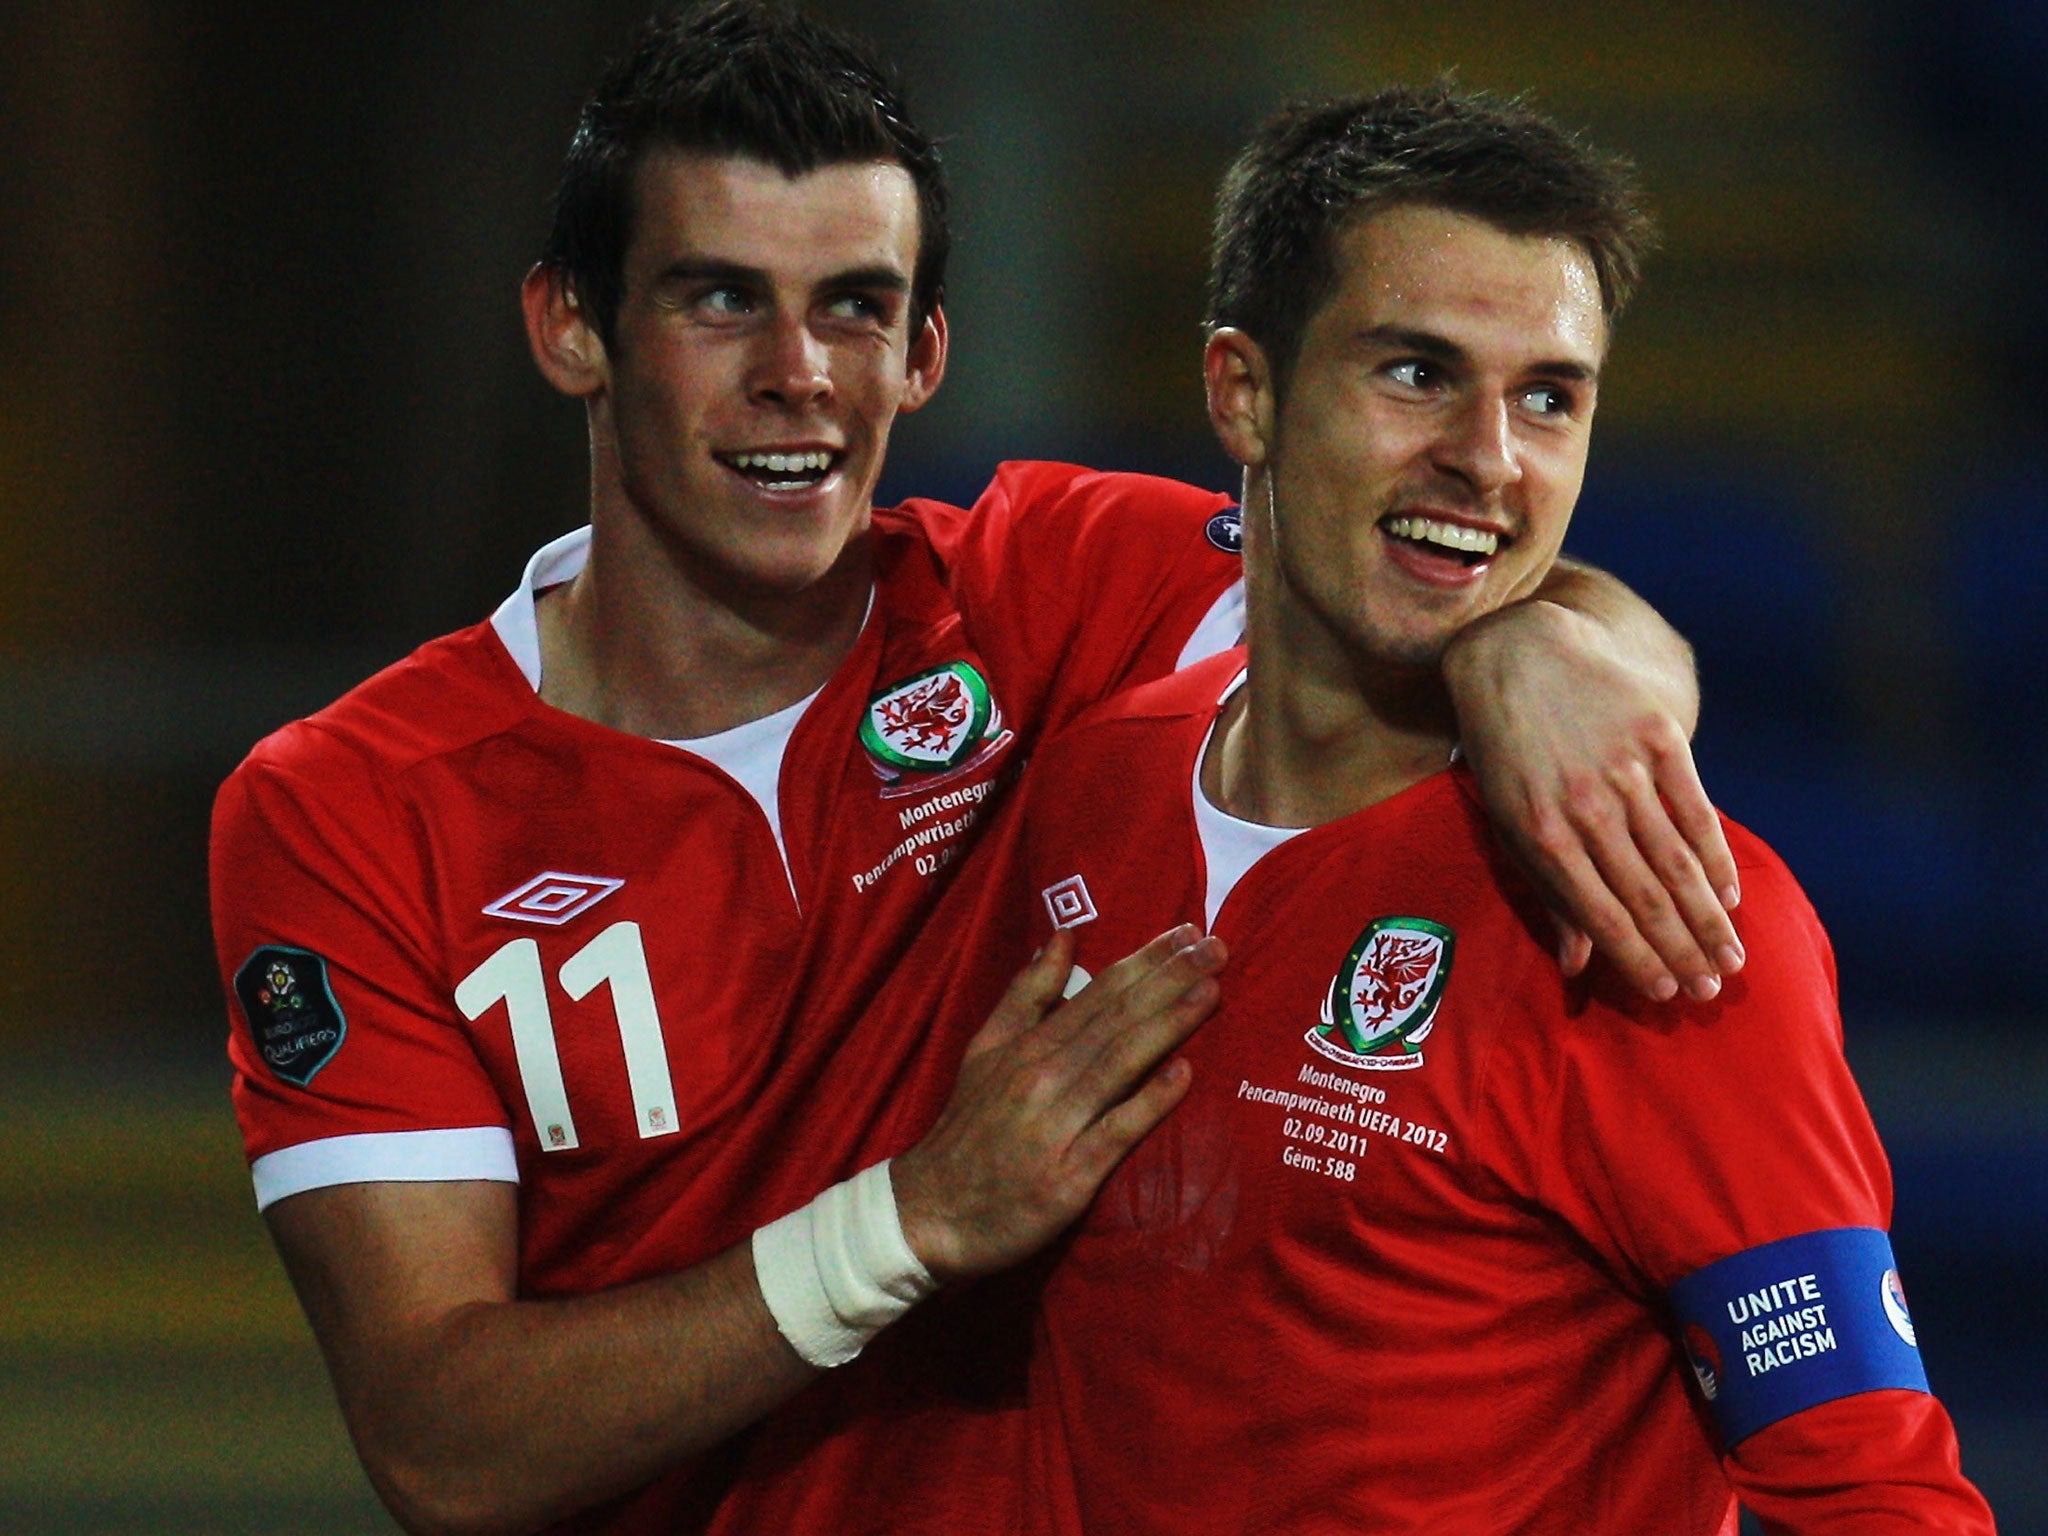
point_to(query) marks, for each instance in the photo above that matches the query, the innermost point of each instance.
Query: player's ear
(562, 334)
(927, 362)
(1240, 385)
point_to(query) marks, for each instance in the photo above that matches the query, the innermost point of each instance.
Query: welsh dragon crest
(938, 723)
(1383, 1001)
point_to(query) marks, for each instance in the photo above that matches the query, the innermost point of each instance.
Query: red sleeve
(1683, 1135)
(317, 867)
(1872, 1465)
(1077, 585)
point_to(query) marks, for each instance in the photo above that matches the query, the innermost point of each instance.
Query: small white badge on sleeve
(838, 1271)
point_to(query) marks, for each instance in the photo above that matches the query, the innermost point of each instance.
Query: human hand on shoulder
(1051, 1097)
(1584, 764)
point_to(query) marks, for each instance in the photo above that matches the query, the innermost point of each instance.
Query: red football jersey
(467, 935)
(1400, 1261)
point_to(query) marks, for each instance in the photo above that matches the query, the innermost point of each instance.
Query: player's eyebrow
(1423, 343)
(712, 269)
(1442, 349)
(877, 279)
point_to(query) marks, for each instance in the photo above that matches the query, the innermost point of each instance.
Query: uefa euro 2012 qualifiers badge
(938, 725)
(1383, 1002)
(291, 1011)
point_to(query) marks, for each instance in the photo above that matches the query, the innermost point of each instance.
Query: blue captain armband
(1774, 1330)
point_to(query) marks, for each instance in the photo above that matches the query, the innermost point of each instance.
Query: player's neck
(1303, 743)
(641, 643)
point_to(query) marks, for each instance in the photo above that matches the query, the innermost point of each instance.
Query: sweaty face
(1433, 436)
(761, 354)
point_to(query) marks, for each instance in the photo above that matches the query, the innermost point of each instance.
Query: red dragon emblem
(1391, 977)
(1382, 1002)
(926, 717)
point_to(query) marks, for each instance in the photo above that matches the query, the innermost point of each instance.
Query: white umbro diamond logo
(553, 898)
(1068, 903)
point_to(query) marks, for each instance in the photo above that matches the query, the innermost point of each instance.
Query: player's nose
(1479, 444)
(792, 366)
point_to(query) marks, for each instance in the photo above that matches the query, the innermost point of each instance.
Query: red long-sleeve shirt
(1401, 1261)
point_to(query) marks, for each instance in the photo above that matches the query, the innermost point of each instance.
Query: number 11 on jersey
(512, 976)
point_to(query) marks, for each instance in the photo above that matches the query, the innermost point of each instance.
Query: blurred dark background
(267, 422)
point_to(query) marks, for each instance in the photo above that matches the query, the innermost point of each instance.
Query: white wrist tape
(838, 1271)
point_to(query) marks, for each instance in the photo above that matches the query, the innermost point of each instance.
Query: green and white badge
(1383, 1001)
(933, 723)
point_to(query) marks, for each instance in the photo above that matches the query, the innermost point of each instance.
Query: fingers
(1106, 1143)
(1574, 949)
(1656, 900)
(1123, 1087)
(1142, 967)
(1681, 909)
(1705, 947)
(1050, 1100)
(1678, 784)
(1641, 877)
(1582, 887)
(1658, 919)
(1132, 1033)
(1031, 992)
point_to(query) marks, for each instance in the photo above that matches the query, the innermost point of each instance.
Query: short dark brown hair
(1314, 168)
(743, 77)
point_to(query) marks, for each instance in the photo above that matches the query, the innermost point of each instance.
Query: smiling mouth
(793, 471)
(1468, 546)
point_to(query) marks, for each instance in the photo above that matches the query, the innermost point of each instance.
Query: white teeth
(783, 463)
(1448, 535)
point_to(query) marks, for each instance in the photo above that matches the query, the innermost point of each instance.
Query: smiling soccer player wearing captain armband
(1438, 1240)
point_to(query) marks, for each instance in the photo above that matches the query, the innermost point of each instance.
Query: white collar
(1230, 844)
(553, 563)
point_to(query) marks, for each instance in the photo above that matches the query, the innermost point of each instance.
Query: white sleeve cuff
(405, 1157)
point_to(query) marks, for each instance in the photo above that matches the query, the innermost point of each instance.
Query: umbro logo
(1068, 903)
(553, 898)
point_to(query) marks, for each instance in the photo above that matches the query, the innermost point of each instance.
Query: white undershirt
(1230, 846)
(751, 754)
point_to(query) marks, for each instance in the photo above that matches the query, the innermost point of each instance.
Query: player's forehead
(1414, 267)
(743, 211)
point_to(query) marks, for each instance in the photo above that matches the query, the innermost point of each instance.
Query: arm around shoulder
(1078, 584)
(1574, 709)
